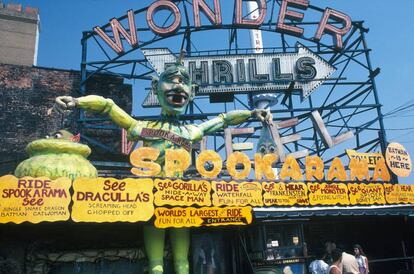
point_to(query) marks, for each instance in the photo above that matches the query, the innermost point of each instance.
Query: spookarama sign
(34, 199)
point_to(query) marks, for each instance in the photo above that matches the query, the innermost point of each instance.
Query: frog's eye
(57, 135)
(272, 149)
(262, 149)
(47, 136)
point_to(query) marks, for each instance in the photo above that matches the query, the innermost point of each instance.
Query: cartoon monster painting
(174, 91)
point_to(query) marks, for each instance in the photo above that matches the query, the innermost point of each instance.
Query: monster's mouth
(177, 98)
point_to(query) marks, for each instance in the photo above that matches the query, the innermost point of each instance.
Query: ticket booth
(275, 247)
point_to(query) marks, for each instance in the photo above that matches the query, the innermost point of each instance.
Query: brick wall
(26, 94)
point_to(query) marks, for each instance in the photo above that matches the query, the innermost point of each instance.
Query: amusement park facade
(315, 77)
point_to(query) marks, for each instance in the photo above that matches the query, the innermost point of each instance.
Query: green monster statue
(174, 92)
(57, 155)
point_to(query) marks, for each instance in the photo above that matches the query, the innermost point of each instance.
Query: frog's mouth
(57, 146)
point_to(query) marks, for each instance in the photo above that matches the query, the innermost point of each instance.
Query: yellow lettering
(142, 158)
(264, 166)
(337, 170)
(176, 162)
(314, 168)
(381, 171)
(358, 169)
(238, 158)
(214, 158)
(291, 169)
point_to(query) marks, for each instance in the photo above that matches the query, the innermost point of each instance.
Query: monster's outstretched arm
(99, 105)
(230, 118)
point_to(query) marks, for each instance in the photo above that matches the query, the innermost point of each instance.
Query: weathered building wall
(26, 95)
(19, 31)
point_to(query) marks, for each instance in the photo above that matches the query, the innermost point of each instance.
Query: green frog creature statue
(174, 91)
(59, 154)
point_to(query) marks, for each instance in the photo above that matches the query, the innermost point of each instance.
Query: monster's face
(60, 135)
(267, 148)
(174, 89)
(266, 144)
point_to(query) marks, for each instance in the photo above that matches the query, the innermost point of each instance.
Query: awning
(384, 210)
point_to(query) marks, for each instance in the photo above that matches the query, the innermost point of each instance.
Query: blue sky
(390, 38)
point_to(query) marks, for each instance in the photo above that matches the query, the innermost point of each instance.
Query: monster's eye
(262, 149)
(178, 79)
(47, 136)
(175, 79)
(57, 135)
(272, 149)
(186, 76)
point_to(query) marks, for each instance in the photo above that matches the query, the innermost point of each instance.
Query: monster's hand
(65, 103)
(97, 105)
(263, 115)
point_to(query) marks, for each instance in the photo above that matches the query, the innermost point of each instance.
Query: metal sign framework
(347, 102)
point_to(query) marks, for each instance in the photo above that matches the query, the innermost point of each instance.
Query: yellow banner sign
(237, 194)
(392, 193)
(406, 194)
(366, 194)
(34, 200)
(112, 200)
(399, 194)
(328, 194)
(182, 193)
(205, 216)
(371, 158)
(283, 194)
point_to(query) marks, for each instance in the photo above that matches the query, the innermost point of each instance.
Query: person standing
(335, 267)
(349, 264)
(318, 266)
(361, 259)
(329, 247)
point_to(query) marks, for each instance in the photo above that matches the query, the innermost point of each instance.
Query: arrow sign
(256, 73)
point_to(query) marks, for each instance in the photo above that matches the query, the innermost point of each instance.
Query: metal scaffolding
(347, 102)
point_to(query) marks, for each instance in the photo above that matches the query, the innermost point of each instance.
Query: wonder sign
(249, 72)
(333, 22)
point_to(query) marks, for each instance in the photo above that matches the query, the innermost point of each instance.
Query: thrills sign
(249, 73)
(34, 199)
(110, 200)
